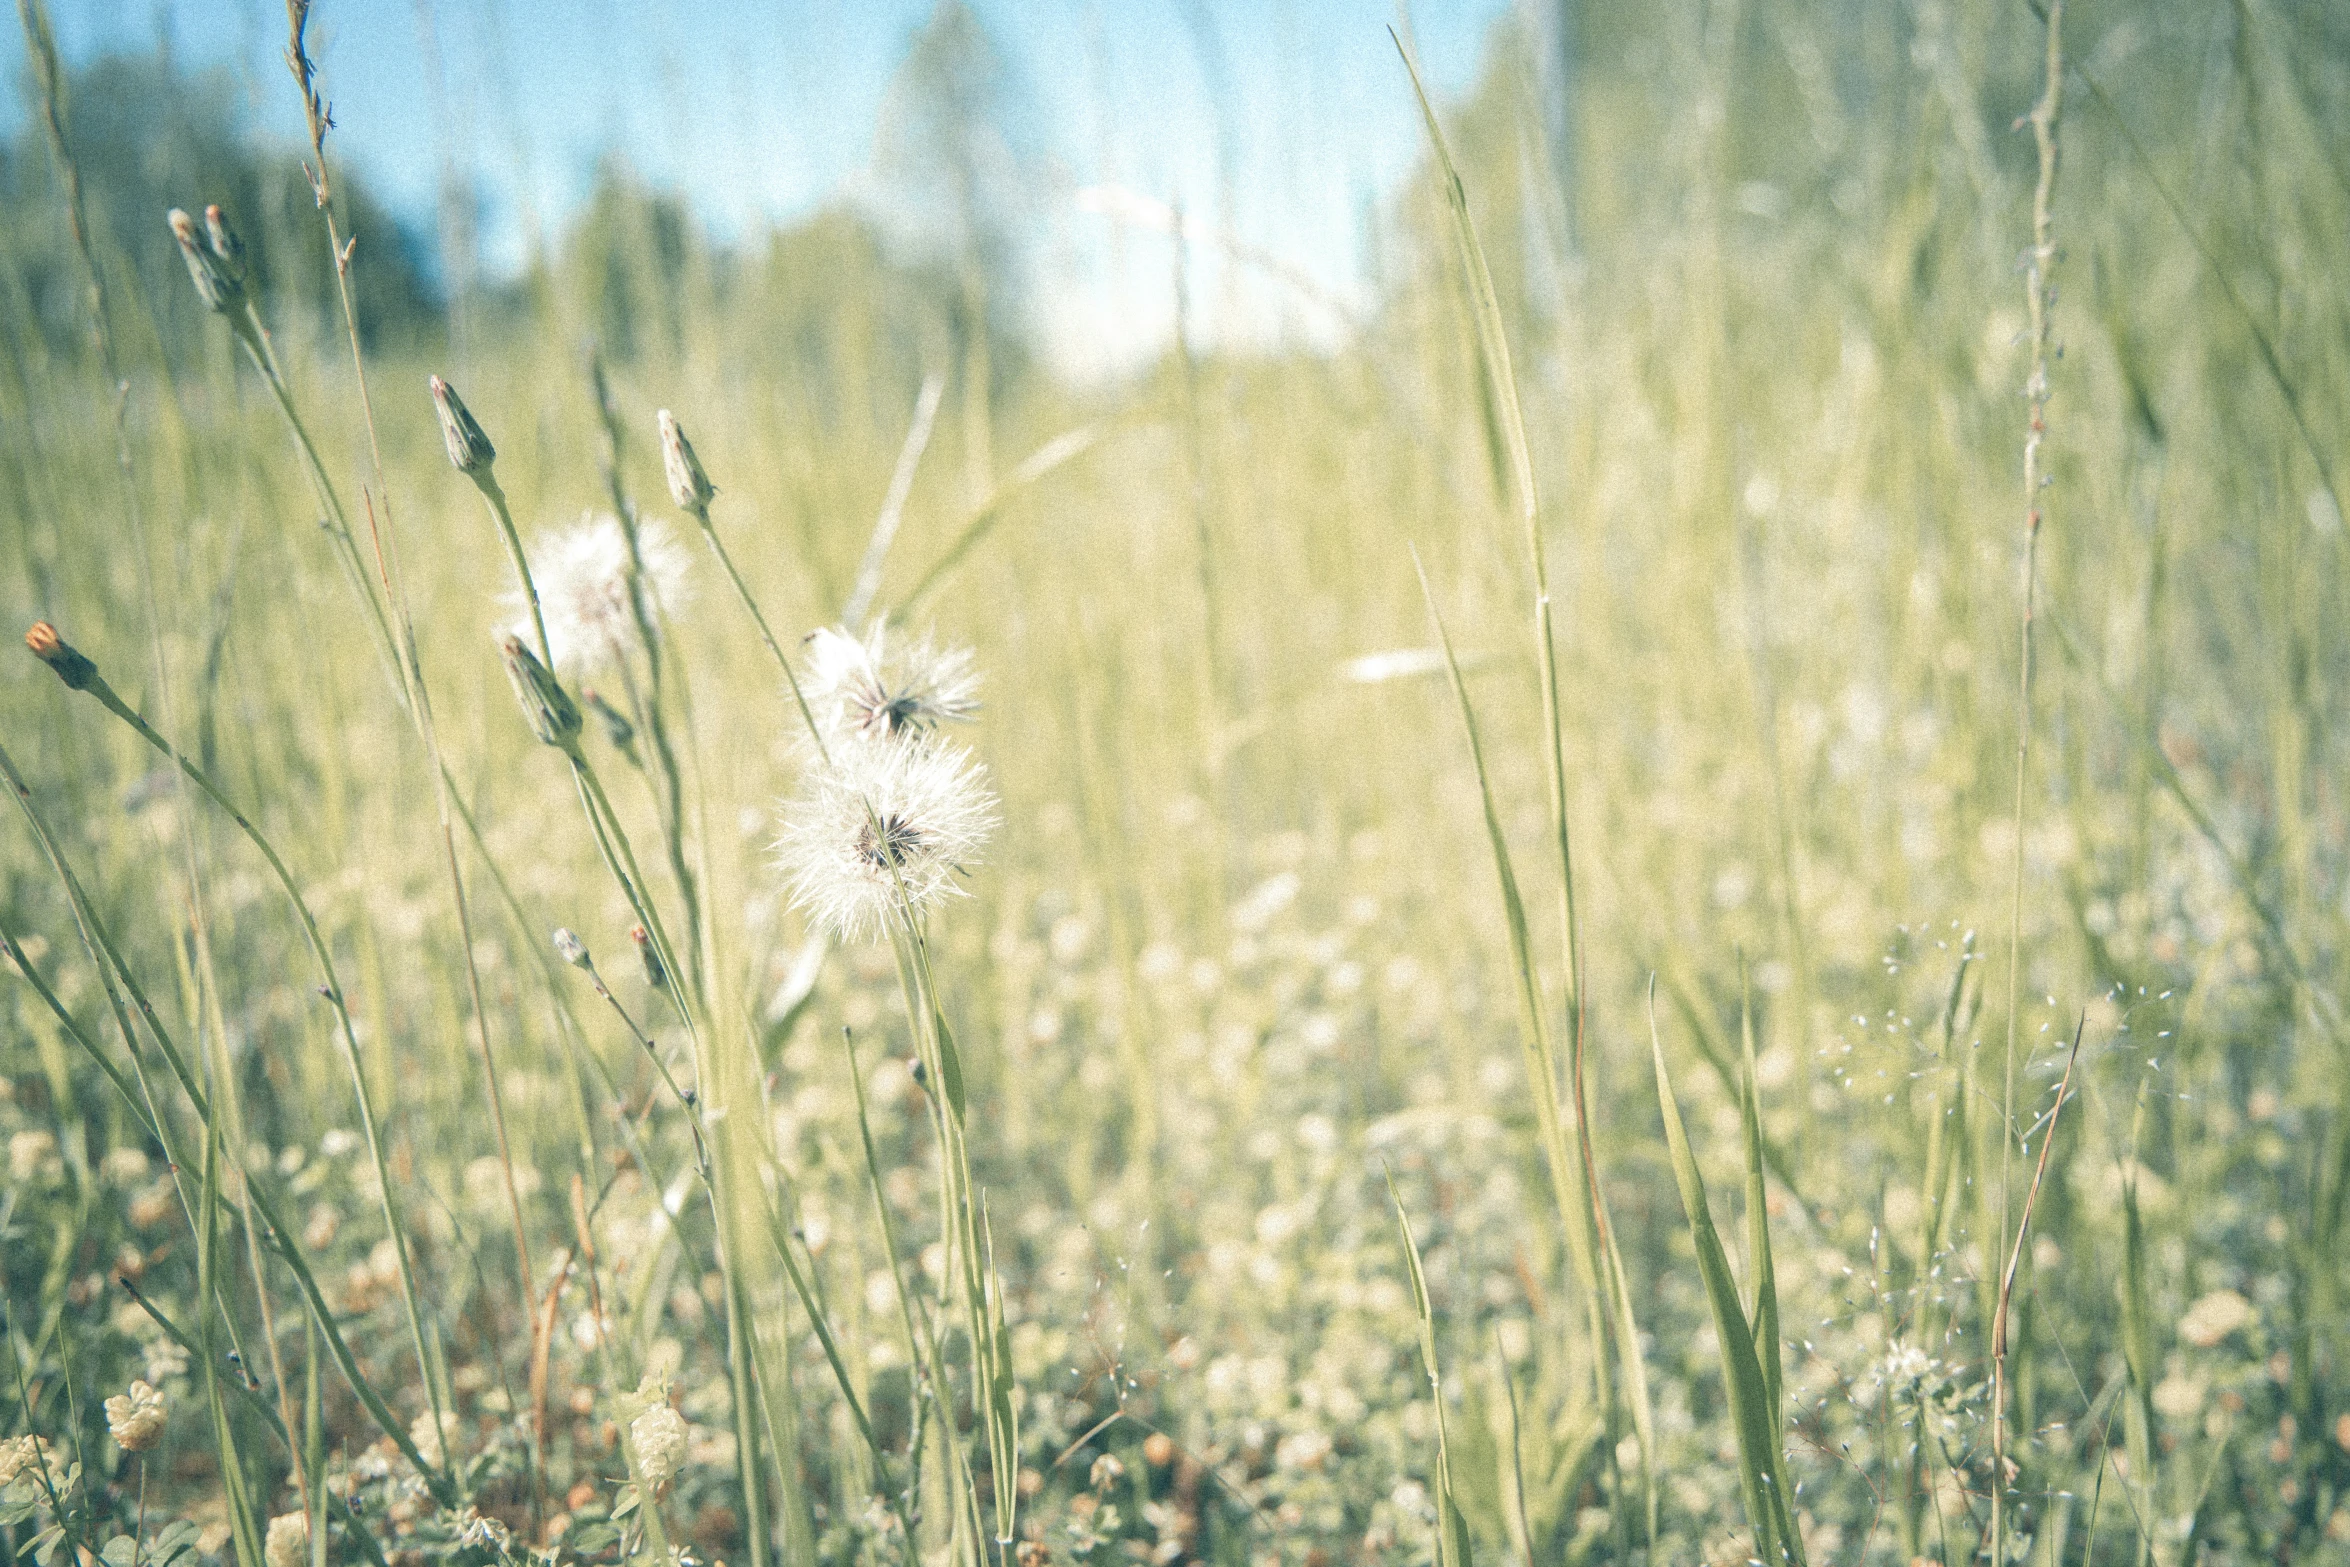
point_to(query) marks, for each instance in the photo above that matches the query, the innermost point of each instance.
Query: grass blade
(1761, 1475)
(242, 1530)
(1758, 1226)
(1452, 1529)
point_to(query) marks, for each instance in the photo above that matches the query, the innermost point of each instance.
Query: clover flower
(20, 1454)
(659, 1436)
(288, 1544)
(135, 1419)
(425, 1435)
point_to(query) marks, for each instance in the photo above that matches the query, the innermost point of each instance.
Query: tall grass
(1672, 462)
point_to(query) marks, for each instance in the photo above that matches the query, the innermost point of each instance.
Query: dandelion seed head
(883, 820)
(582, 576)
(874, 688)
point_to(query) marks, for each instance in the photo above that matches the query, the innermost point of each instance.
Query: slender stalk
(651, 712)
(96, 686)
(1606, 1281)
(962, 1219)
(40, 44)
(742, 590)
(2039, 300)
(116, 978)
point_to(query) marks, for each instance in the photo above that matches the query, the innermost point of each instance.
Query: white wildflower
(425, 1436)
(2179, 1397)
(135, 1419)
(24, 1454)
(2214, 1317)
(875, 689)
(32, 1156)
(125, 1166)
(288, 1544)
(163, 1358)
(880, 823)
(1303, 1450)
(660, 1436)
(1905, 1363)
(582, 578)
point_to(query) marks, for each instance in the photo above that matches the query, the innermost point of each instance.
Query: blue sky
(761, 113)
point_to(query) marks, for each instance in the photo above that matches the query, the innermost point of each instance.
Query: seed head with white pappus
(870, 688)
(582, 577)
(884, 826)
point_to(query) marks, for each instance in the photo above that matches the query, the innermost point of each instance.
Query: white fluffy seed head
(582, 578)
(884, 824)
(876, 688)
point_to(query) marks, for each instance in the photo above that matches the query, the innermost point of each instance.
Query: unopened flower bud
(570, 948)
(655, 975)
(689, 487)
(51, 649)
(469, 450)
(553, 716)
(218, 283)
(227, 249)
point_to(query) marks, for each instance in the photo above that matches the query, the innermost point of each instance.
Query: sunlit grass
(1082, 1243)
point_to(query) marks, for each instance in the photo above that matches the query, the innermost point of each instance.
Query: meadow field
(1682, 898)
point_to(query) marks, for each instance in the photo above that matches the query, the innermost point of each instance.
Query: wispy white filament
(874, 688)
(582, 579)
(885, 825)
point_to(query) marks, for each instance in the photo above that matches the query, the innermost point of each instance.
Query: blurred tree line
(850, 297)
(147, 137)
